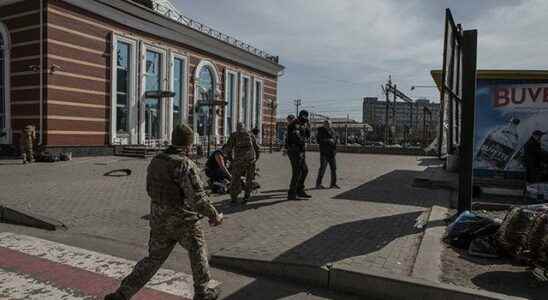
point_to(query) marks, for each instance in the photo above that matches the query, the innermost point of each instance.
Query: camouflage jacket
(242, 147)
(176, 191)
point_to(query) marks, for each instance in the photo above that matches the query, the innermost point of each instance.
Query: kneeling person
(217, 171)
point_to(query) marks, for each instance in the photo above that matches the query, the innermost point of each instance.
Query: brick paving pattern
(368, 224)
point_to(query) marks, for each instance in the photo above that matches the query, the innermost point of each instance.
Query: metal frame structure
(397, 94)
(167, 9)
(451, 88)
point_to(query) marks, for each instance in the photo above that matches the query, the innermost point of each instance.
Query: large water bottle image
(499, 146)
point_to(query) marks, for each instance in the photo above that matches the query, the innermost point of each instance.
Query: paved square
(368, 224)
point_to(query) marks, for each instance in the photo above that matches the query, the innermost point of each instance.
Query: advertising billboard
(507, 113)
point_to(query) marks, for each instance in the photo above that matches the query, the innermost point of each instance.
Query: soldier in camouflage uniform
(28, 138)
(177, 201)
(243, 149)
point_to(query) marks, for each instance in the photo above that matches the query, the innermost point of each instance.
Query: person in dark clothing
(217, 171)
(328, 149)
(298, 132)
(535, 157)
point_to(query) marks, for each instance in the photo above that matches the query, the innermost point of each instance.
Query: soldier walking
(28, 139)
(297, 133)
(243, 149)
(328, 149)
(178, 201)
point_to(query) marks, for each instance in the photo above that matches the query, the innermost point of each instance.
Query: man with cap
(28, 139)
(328, 149)
(244, 151)
(535, 157)
(178, 202)
(298, 132)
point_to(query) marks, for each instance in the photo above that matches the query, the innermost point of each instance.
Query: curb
(428, 261)
(306, 274)
(371, 285)
(18, 217)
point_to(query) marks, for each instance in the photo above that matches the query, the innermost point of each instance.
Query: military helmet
(182, 135)
(303, 114)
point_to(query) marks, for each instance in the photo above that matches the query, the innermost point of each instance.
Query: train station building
(91, 75)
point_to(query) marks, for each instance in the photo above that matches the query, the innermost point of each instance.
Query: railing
(169, 11)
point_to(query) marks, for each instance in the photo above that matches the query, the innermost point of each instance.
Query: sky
(336, 52)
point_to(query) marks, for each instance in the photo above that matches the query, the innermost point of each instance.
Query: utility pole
(272, 128)
(393, 133)
(297, 102)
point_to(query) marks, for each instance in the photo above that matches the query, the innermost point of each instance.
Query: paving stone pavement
(368, 224)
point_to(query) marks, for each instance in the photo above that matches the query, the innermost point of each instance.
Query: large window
(123, 53)
(258, 105)
(3, 84)
(179, 89)
(245, 101)
(153, 82)
(230, 110)
(205, 89)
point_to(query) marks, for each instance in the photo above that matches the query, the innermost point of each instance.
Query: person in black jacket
(298, 131)
(328, 149)
(535, 157)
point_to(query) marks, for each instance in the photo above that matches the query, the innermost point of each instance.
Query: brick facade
(76, 102)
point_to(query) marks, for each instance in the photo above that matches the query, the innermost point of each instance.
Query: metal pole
(393, 134)
(298, 103)
(470, 42)
(387, 106)
(273, 119)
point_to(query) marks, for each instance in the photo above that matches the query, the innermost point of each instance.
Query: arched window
(4, 85)
(206, 79)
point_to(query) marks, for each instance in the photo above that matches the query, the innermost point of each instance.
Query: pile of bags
(522, 235)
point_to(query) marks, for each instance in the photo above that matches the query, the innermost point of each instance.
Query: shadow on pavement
(395, 187)
(511, 283)
(338, 243)
(352, 239)
(429, 161)
(228, 208)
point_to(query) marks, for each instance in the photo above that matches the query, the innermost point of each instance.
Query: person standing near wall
(328, 150)
(298, 132)
(28, 139)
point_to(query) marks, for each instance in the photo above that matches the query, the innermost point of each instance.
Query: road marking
(83, 263)
(18, 286)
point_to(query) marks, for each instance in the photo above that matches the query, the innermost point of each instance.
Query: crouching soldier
(178, 201)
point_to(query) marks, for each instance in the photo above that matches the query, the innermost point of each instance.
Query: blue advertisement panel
(507, 113)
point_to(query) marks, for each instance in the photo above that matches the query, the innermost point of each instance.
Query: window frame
(7, 101)
(258, 110)
(247, 117)
(132, 88)
(184, 101)
(163, 84)
(233, 104)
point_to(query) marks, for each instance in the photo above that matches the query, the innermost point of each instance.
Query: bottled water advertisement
(507, 113)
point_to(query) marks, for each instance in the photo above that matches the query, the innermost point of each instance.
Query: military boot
(303, 194)
(208, 294)
(115, 296)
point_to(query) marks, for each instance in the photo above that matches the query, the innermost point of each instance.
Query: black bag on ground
(469, 226)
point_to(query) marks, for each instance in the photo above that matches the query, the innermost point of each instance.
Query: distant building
(406, 116)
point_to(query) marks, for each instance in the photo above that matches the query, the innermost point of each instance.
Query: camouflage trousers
(160, 245)
(239, 169)
(28, 154)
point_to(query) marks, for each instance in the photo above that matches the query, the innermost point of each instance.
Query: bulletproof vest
(161, 187)
(243, 147)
